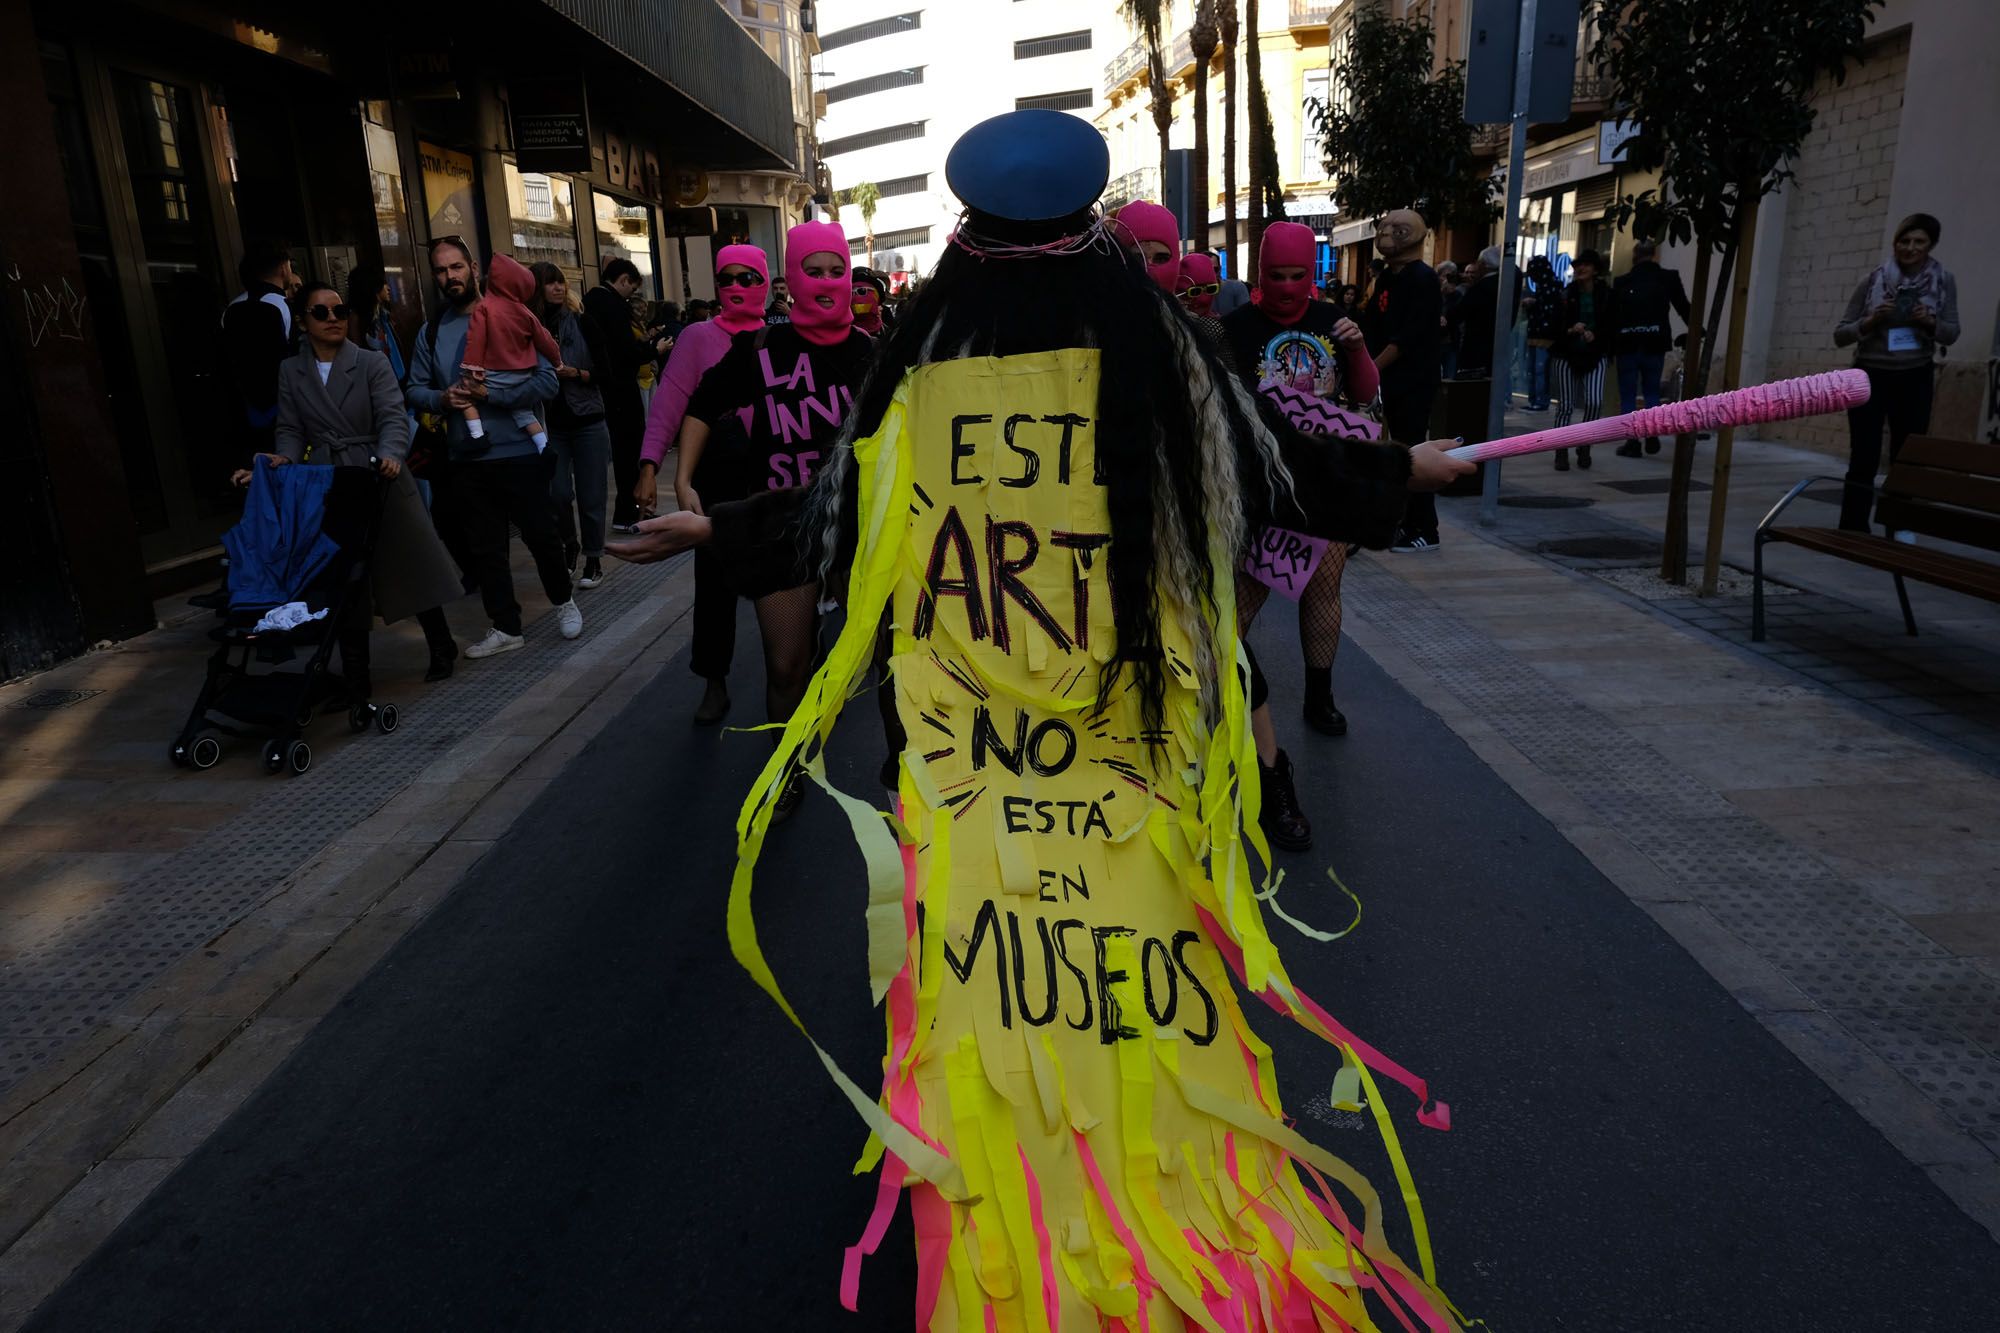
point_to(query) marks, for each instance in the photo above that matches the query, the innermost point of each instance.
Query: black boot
(1284, 823)
(1583, 457)
(1629, 449)
(437, 637)
(714, 703)
(1562, 460)
(1321, 715)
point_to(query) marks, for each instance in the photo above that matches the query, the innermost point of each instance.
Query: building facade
(901, 80)
(170, 135)
(1294, 52)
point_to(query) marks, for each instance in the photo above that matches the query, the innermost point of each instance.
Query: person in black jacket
(1589, 328)
(257, 336)
(1542, 302)
(1404, 324)
(609, 306)
(1645, 294)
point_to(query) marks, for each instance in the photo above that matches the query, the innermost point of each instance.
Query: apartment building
(1295, 55)
(901, 81)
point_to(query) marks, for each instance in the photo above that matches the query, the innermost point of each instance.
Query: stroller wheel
(274, 756)
(388, 718)
(358, 718)
(204, 750)
(299, 758)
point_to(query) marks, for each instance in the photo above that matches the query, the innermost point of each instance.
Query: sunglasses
(1205, 289)
(328, 312)
(741, 280)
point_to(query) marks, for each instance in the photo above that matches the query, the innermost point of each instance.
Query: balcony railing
(1123, 66)
(1313, 13)
(1141, 184)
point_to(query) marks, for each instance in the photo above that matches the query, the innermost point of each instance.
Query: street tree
(1396, 137)
(864, 197)
(1225, 13)
(1722, 92)
(1259, 111)
(1148, 16)
(1203, 35)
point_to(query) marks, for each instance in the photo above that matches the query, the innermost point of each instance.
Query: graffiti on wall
(52, 310)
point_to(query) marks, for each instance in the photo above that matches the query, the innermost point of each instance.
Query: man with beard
(1402, 323)
(500, 478)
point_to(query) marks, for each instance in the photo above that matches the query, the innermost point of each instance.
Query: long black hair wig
(1182, 450)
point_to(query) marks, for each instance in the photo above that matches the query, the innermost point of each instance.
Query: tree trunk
(1203, 42)
(1229, 30)
(1253, 70)
(1732, 377)
(1674, 555)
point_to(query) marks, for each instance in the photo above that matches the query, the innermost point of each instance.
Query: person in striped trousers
(1576, 368)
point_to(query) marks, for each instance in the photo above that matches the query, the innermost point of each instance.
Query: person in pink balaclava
(1150, 230)
(742, 278)
(1286, 337)
(1197, 283)
(780, 394)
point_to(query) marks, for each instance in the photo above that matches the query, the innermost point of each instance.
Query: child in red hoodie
(501, 343)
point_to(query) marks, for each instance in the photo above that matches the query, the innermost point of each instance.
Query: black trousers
(714, 645)
(1903, 399)
(625, 417)
(1407, 413)
(486, 497)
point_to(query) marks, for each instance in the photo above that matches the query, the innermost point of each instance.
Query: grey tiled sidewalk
(119, 866)
(1817, 820)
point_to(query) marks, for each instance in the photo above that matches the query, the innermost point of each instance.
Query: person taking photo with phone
(1895, 321)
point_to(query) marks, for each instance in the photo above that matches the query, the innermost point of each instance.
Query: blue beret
(1029, 166)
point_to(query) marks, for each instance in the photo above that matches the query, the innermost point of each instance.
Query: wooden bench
(1944, 489)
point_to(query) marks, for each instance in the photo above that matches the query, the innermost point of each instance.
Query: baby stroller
(307, 535)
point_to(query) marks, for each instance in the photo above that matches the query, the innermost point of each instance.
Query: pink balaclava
(1144, 220)
(1197, 270)
(1286, 245)
(742, 308)
(822, 308)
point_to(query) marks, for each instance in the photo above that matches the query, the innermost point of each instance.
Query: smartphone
(1906, 301)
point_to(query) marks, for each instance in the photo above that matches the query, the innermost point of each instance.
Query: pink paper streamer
(1809, 395)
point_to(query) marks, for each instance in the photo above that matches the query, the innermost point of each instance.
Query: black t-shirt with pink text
(775, 402)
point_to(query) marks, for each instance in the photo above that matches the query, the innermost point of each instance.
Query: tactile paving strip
(72, 979)
(1933, 1017)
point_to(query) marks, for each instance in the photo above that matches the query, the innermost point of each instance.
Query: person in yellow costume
(1045, 487)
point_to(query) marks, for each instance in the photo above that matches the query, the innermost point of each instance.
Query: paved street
(558, 1103)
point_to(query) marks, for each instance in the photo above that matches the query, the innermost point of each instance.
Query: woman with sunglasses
(742, 276)
(339, 405)
(775, 401)
(1198, 284)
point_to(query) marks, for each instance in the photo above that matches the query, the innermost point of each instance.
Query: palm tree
(1226, 15)
(864, 197)
(1202, 38)
(1146, 15)
(1253, 69)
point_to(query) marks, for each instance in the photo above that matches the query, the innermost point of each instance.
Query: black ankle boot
(1284, 823)
(714, 705)
(1321, 715)
(442, 657)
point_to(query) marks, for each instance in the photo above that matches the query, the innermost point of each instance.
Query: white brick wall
(1835, 212)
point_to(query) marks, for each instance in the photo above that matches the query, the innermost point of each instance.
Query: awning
(702, 53)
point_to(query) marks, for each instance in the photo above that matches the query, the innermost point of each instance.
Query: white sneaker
(496, 641)
(569, 619)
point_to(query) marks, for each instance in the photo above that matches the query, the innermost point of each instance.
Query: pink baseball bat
(1809, 395)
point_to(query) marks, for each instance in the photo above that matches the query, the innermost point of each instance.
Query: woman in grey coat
(340, 404)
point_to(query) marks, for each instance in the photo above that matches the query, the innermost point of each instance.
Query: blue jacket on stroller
(279, 547)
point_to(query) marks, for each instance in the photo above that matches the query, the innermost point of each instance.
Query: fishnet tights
(1319, 607)
(788, 621)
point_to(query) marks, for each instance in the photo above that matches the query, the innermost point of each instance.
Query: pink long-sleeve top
(696, 350)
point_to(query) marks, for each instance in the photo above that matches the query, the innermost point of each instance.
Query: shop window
(625, 231)
(542, 218)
